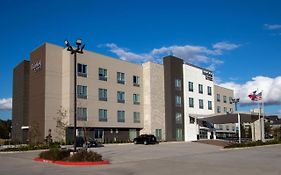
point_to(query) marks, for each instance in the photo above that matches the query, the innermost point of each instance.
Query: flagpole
(263, 114)
(259, 108)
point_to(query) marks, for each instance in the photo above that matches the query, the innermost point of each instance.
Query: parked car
(145, 139)
(91, 142)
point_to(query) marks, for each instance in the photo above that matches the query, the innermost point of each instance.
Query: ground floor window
(99, 133)
(158, 134)
(179, 135)
(203, 134)
(132, 134)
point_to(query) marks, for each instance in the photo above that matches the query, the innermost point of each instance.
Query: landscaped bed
(66, 157)
(251, 144)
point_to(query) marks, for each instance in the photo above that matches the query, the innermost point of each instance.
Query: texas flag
(255, 97)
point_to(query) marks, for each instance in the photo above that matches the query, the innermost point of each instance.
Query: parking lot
(165, 158)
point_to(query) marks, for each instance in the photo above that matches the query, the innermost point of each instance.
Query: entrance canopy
(230, 118)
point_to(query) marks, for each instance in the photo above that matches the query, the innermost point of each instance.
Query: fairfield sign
(36, 66)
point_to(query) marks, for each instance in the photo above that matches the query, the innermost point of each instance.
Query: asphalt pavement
(165, 159)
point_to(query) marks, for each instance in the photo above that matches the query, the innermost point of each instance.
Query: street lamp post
(235, 101)
(74, 51)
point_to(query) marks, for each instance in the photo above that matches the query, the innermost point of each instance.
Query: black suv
(80, 142)
(145, 139)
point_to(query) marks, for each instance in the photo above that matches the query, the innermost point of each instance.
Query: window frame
(200, 88)
(210, 105)
(121, 94)
(201, 104)
(136, 117)
(82, 91)
(82, 114)
(103, 74)
(136, 99)
(136, 80)
(102, 94)
(121, 116)
(83, 68)
(120, 78)
(103, 117)
(190, 86)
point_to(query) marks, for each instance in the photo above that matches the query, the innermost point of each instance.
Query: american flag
(255, 97)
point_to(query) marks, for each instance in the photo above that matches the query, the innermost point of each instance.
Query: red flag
(255, 97)
(252, 95)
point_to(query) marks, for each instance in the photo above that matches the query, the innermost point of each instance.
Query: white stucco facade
(195, 75)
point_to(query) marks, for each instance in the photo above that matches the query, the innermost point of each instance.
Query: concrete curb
(104, 162)
(30, 151)
(241, 148)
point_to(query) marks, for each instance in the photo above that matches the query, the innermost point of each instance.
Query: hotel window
(136, 80)
(209, 90)
(179, 134)
(221, 127)
(218, 98)
(191, 102)
(82, 114)
(103, 74)
(201, 105)
(136, 99)
(99, 133)
(218, 109)
(81, 91)
(178, 84)
(210, 106)
(178, 101)
(190, 86)
(191, 120)
(121, 116)
(103, 115)
(82, 70)
(136, 117)
(120, 78)
(224, 109)
(227, 127)
(233, 128)
(158, 134)
(200, 88)
(230, 100)
(224, 99)
(120, 97)
(102, 94)
(178, 118)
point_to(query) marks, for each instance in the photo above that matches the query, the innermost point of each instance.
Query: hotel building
(116, 100)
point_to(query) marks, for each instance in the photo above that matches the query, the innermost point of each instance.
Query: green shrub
(26, 148)
(55, 154)
(85, 156)
(251, 144)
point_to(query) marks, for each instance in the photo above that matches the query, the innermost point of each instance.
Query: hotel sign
(36, 66)
(208, 75)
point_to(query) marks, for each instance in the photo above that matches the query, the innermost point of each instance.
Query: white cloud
(222, 46)
(272, 26)
(125, 54)
(6, 104)
(271, 88)
(189, 53)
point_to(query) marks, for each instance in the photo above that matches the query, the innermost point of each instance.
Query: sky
(239, 40)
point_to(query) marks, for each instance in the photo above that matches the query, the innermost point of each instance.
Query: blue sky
(239, 40)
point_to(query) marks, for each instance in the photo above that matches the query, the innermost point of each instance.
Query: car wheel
(145, 142)
(135, 142)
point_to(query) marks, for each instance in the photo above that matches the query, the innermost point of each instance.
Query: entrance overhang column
(239, 127)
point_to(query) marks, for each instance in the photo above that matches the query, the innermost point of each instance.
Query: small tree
(277, 133)
(61, 124)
